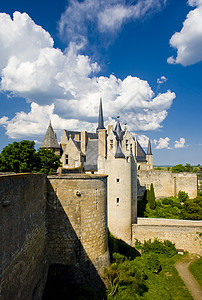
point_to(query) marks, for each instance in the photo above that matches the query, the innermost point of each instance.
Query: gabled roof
(91, 155)
(91, 135)
(50, 139)
(119, 152)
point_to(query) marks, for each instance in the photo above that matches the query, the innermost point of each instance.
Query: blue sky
(142, 57)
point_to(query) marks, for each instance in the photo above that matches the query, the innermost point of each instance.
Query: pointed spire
(50, 139)
(149, 148)
(100, 119)
(118, 131)
(119, 152)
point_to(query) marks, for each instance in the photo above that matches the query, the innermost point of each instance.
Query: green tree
(192, 209)
(18, 157)
(152, 202)
(48, 161)
(178, 168)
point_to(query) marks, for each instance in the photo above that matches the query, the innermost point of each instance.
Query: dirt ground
(191, 283)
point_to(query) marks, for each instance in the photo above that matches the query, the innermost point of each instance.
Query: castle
(114, 152)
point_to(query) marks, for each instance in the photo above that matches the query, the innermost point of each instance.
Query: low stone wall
(186, 234)
(166, 183)
(77, 226)
(23, 268)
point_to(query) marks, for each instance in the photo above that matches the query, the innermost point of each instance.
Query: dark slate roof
(149, 152)
(100, 118)
(118, 131)
(91, 135)
(91, 155)
(141, 155)
(50, 139)
(77, 144)
(119, 152)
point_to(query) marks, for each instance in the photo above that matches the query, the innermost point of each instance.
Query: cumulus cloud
(161, 80)
(143, 140)
(65, 85)
(180, 143)
(188, 41)
(162, 143)
(103, 16)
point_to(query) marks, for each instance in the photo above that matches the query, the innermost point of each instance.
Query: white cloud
(180, 143)
(64, 85)
(143, 140)
(161, 80)
(104, 16)
(188, 41)
(163, 143)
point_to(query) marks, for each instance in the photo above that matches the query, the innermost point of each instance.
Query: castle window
(111, 144)
(126, 144)
(117, 200)
(131, 147)
(66, 159)
(117, 179)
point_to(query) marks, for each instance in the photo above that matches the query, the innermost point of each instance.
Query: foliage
(48, 161)
(192, 209)
(153, 263)
(178, 168)
(20, 157)
(119, 246)
(150, 197)
(182, 196)
(163, 211)
(166, 247)
(196, 268)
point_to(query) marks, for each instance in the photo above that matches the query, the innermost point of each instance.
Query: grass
(167, 284)
(196, 270)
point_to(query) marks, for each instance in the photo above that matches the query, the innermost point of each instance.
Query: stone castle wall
(23, 267)
(185, 234)
(167, 183)
(77, 225)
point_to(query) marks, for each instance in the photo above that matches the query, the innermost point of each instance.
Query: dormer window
(126, 144)
(66, 159)
(111, 144)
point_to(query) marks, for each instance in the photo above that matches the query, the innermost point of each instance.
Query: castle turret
(149, 156)
(50, 140)
(100, 118)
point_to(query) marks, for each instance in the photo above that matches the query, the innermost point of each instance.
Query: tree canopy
(20, 157)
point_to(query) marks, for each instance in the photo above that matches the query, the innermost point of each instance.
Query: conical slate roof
(100, 119)
(149, 152)
(50, 139)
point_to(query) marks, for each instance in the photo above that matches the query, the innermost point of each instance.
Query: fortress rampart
(23, 267)
(77, 225)
(60, 223)
(166, 183)
(185, 234)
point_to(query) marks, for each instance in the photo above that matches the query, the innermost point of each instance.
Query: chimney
(102, 146)
(83, 141)
(110, 128)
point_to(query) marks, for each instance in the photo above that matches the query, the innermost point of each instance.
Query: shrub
(182, 196)
(166, 247)
(167, 201)
(192, 209)
(152, 197)
(153, 263)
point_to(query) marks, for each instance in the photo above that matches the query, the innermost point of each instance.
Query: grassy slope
(196, 270)
(167, 284)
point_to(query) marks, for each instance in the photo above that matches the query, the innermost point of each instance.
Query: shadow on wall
(69, 264)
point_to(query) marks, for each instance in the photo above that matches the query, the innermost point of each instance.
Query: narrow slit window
(66, 159)
(117, 179)
(117, 200)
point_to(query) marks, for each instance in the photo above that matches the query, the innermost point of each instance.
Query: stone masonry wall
(77, 225)
(167, 183)
(23, 268)
(185, 234)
